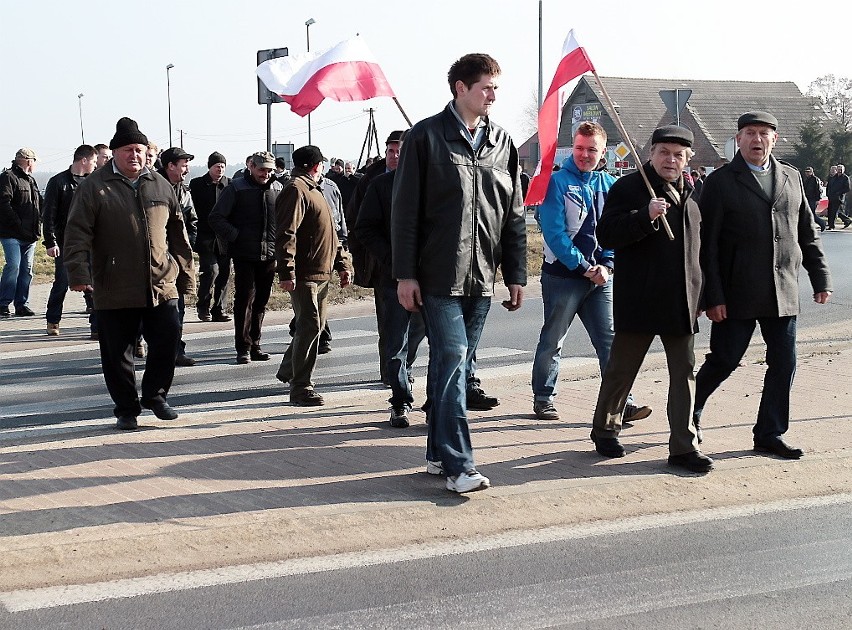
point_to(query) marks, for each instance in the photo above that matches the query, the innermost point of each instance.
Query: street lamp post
(169, 100)
(308, 23)
(80, 104)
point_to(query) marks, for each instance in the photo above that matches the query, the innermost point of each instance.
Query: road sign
(264, 96)
(621, 151)
(675, 101)
(622, 164)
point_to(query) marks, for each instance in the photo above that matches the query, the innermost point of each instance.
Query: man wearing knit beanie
(139, 267)
(214, 267)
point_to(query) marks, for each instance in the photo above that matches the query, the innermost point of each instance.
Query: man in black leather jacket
(457, 215)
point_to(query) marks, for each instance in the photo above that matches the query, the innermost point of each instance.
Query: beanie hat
(127, 132)
(216, 158)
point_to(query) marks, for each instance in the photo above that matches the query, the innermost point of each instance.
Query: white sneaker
(434, 468)
(468, 481)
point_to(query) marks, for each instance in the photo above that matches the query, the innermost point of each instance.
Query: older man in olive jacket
(757, 232)
(128, 222)
(663, 276)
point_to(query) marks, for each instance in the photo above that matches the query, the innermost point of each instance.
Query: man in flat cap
(665, 278)
(20, 226)
(244, 222)
(757, 231)
(307, 250)
(126, 239)
(174, 166)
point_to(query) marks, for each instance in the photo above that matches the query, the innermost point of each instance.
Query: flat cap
(757, 118)
(173, 154)
(307, 156)
(262, 159)
(395, 136)
(674, 134)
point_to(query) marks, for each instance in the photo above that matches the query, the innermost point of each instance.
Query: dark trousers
(214, 271)
(252, 286)
(180, 347)
(59, 290)
(818, 219)
(309, 307)
(404, 331)
(117, 330)
(626, 354)
(835, 209)
(729, 340)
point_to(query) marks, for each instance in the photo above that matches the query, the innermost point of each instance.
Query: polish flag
(574, 63)
(345, 72)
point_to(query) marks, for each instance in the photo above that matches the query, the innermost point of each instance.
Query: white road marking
(57, 596)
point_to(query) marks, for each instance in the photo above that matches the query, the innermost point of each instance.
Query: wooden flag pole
(402, 111)
(617, 119)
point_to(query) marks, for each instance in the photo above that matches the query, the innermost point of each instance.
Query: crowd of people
(427, 227)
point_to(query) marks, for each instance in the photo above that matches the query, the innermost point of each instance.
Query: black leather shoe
(24, 311)
(696, 462)
(608, 446)
(307, 398)
(324, 348)
(161, 409)
(4, 311)
(219, 316)
(182, 360)
(478, 400)
(127, 423)
(257, 354)
(780, 448)
(204, 316)
(242, 359)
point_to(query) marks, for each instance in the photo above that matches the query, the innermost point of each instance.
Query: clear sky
(115, 53)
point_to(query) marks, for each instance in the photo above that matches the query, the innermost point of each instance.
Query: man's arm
(48, 217)
(513, 237)
(627, 216)
(408, 191)
(179, 247)
(190, 217)
(8, 217)
(554, 227)
(712, 217)
(289, 212)
(370, 226)
(79, 234)
(219, 218)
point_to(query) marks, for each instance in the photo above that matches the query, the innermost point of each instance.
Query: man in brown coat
(307, 250)
(664, 277)
(127, 221)
(757, 232)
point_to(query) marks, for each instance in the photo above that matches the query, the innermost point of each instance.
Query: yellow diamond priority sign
(621, 151)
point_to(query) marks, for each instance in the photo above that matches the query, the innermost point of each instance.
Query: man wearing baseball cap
(137, 266)
(244, 222)
(757, 231)
(175, 167)
(307, 250)
(20, 226)
(655, 293)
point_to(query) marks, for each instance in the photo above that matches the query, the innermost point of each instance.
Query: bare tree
(835, 94)
(529, 115)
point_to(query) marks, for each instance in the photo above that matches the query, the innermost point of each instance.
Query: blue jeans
(454, 325)
(729, 340)
(17, 272)
(563, 299)
(403, 332)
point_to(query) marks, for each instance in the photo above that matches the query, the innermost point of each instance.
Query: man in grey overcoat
(757, 231)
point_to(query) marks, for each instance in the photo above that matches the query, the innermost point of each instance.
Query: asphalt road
(51, 388)
(779, 566)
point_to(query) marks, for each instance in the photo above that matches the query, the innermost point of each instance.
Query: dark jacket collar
(453, 133)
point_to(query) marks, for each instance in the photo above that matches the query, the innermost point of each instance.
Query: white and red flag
(574, 62)
(345, 72)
